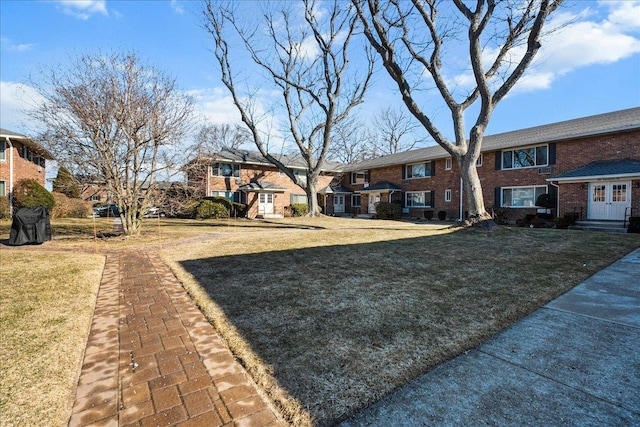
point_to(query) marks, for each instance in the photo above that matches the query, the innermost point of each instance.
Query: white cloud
(16, 99)
(83, 9)
(177, 7)
(575, 41)
(10, 46)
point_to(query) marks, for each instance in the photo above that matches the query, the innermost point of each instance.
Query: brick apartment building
(20, 158)
(590, 166)
(247, 177)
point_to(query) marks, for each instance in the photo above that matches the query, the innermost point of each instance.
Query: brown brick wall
(570, 155)
(22, 168)
(252, 173)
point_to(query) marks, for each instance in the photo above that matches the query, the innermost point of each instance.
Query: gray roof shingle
(255, 158)
(4, 133)
(617, 121)
(618, 168)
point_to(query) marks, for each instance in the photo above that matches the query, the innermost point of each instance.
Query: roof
(256, 158)
(617, 121)
(262, 187)
(7, 134)
(335, 189)
(381, 186)
(604, 169)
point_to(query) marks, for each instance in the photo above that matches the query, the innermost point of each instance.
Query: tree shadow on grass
(339, 327)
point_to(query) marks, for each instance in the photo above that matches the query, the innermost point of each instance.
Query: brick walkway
(152, 359)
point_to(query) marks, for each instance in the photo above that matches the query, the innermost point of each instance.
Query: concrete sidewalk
(574, 362)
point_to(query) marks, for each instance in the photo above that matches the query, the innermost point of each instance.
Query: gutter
(10, 176)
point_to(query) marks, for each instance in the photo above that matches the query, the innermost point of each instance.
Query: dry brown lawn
(330, 318)
(47, 301)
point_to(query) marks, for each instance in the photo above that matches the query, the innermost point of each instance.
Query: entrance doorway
(608, 200)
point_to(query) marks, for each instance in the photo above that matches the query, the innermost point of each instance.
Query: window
(94, 198)
(525, 157)
(234, 196)
(301, 175)
(521, 197)
(447, 164)
(299, 198)
(361, 177)
(418, 170)
(479, 161)
(355, 200)
(3, 188)
(225, 169)
(619, 193)
(447, 195)
(3, 148)
(418, 199)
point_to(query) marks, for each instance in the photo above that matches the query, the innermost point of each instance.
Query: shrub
(29, 194)
(428, 215)
(212, 209)
(5, 212)
(545, 201)
(565, 221)
(299, 209)
(385, 210)
(69, 208)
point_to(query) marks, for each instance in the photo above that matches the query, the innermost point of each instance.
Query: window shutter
(553, 193)
(498, 160)
(552, 153)
(432, 202)
(497, 201)
(433, 168)
(404, 171)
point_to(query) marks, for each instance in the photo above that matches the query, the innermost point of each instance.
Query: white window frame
(3, 187)
(448, 163)
(295, 199)
(353, 179)
(447, 195)
(235, 170)
(409, 200)
(3, 151)
(479, 161)
(231, 195)
(537, 190)
(535, 160)
(408, 170)
(355, 197)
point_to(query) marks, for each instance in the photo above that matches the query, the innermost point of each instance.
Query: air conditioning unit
(544, 171)
(365, 185)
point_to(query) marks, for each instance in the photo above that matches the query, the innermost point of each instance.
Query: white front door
(265, 203)
(609, 200)
(338, 203)
(374, 199)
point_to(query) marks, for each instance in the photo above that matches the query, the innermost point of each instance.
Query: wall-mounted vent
(544, 171)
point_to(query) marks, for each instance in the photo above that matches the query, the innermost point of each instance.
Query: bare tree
(394, 132)
(351, 142)
(415, 38)
(212, 138)
(306, 62)
(114, 118)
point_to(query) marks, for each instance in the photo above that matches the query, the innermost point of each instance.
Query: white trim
(570, 180)
(448, 163)
(447, 195)
(524, 147)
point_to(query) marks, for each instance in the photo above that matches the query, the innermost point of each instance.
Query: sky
(590, 67)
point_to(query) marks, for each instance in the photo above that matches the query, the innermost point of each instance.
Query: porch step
(606, 226)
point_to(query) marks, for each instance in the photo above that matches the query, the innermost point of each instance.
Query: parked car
(154, 212)
(110, 210)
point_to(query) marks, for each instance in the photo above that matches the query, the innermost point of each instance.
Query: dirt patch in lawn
(328, 321)
(47, 301)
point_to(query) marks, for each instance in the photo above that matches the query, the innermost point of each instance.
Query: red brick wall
(570, 155)
(22, 168)
(252, 173)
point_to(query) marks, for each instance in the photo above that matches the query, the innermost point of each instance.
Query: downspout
(10, 177)
(324, 209)
(461, 204)
(557, 199)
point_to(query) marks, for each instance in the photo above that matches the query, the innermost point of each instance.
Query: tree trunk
(312, 197)
(474, 203)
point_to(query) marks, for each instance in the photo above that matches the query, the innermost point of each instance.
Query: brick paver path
(152, 359)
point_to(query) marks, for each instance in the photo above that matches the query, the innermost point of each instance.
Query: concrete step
(605, 226)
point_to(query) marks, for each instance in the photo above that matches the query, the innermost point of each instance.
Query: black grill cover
(30, 226)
